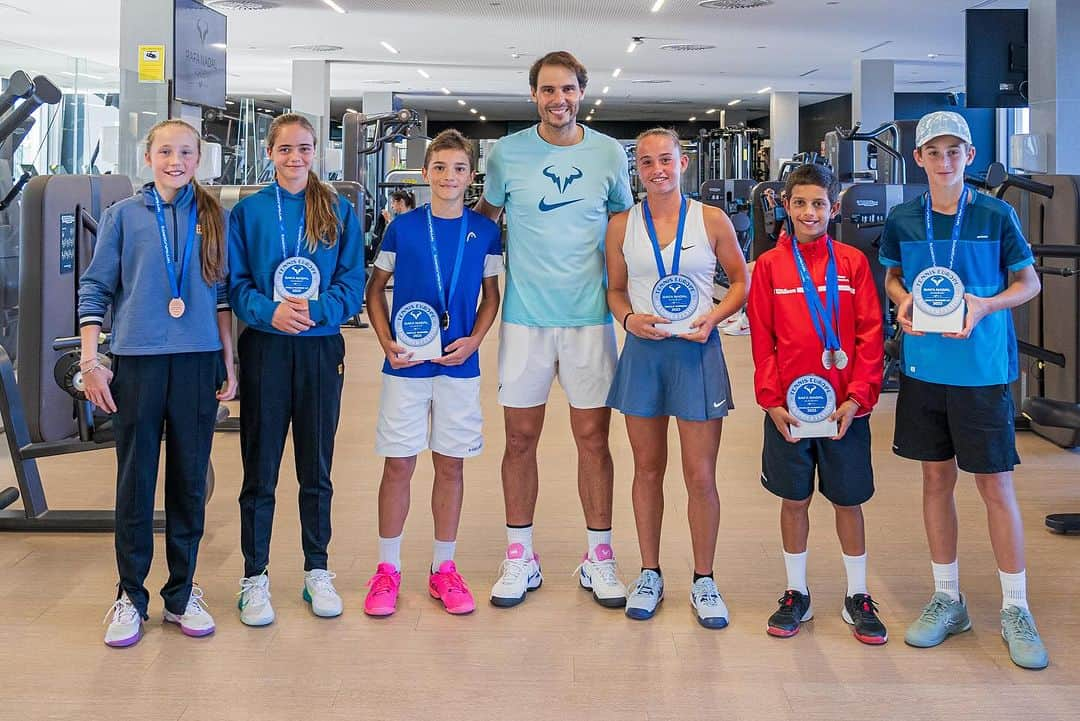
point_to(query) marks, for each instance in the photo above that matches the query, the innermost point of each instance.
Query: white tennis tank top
(698, 261)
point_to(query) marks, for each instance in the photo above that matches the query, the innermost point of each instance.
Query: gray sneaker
(645, 595)
(940, 618)
(1026, 649)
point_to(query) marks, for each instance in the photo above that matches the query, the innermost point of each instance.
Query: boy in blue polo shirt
(954, 408)
(448, 256)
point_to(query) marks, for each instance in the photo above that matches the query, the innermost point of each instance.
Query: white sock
(522, 536)
(947, 579)
(856, 573)
(442, 551)
(795, 563)
(1013, 589)
(597, 538)
(390, 551)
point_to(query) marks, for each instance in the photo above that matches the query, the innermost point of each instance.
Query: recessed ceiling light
(633, 45)
(149, 112)
(473, 111)
(736, 101)
(423, 73)
(460, 102)
(605, 90)
(693, 118)
(710, 111)
(599, 101)
(445, 91)
(656, 6)
(388, 46)
(334, 6)
(616, 72)
(483, 118)
(318, 48)
(764, 90)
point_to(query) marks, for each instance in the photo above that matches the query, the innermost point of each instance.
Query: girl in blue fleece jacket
(296, 273)
(160, 264)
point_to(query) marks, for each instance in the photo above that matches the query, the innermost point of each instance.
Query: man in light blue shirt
(558, 183)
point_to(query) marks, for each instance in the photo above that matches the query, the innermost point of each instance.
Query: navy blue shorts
(671, 377)
(845, 475)
(974, 424)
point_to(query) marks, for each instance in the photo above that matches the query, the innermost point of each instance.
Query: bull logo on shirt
(562, 182)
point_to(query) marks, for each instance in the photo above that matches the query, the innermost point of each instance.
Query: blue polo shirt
(991, 246)
(406, 252)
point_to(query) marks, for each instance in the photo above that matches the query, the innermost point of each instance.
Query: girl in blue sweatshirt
(296, 273)
(160, 264)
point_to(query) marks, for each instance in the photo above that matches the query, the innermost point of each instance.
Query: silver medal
(827, 359)
(840, 359)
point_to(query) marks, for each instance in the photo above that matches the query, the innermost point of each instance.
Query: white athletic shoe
(254, 603)
(196, 620)
(707, 603)
(319, 591)
(125, 629)
(739, 325)
(517, 576)
(646, 593)
(598, 573)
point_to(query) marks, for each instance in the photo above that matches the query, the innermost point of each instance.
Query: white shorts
(530, 358)
(439, 413)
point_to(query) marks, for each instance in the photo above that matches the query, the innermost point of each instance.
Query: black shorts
(845, 475)
(974, 424)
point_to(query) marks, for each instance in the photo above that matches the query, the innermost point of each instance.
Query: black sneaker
(861, 612)
(794, 609)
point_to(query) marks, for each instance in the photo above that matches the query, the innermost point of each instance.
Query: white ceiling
(467, 46)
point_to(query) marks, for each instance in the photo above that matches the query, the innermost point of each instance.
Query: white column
(1054, 82)
(311, 97)
(142, 22)
(872, 99)
(783, 129)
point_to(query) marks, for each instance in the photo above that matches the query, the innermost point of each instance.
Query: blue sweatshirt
(128, 273)
(255, 252)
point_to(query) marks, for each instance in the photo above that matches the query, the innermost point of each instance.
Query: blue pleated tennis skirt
(672, 377)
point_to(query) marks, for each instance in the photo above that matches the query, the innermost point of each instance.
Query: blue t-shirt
(991, 246)
(406, 252)
(557, 200)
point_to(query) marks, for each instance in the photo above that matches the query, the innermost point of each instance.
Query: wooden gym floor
(559, 655)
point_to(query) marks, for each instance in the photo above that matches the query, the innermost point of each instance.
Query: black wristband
(626, 318)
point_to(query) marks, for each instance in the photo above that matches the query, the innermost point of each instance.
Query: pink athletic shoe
(448, 586)
(382, 592)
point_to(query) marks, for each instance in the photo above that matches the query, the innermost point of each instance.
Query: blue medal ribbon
(650, 227)
(825, 319)
(955, 229)
(445, 297)
(281, 226)
(176, 282)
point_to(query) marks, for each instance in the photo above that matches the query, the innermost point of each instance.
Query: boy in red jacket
(818, 354)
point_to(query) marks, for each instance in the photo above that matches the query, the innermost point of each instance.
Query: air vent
(650, 81)
(673, 102)
(924, 82)
(733, 4)
(687, 47)
(242, 5)
(317, 48)
(381, 82)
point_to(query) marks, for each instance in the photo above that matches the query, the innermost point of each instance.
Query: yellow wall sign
(151, 63)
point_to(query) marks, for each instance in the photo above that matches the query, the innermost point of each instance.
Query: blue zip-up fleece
(128, 273)
(255, 252)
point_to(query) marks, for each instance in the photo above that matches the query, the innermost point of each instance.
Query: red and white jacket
(783, 338)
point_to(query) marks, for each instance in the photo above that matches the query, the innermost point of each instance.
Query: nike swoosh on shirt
(687, 247)
(717, 405)
(545, 207)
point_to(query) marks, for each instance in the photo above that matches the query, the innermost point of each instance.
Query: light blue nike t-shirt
(557, 200)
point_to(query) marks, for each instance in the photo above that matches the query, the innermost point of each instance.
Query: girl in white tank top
(661, 374)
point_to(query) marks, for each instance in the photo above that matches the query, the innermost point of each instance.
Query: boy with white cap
(955, 253)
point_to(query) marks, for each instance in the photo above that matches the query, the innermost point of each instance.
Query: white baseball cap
(942, 122)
